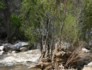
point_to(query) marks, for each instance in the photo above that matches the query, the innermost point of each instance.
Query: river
(20, 61)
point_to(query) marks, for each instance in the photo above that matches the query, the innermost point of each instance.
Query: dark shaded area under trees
(10, 22)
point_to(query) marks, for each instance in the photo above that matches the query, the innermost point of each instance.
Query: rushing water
(20, 61)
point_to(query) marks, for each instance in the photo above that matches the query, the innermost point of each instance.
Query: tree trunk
(7, 22)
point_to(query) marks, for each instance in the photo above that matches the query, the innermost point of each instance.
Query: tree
(47, 22)
(85, 21)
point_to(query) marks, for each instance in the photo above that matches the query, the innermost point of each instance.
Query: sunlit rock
(90, 64)
(87, 68)
(21, 44)
(85, 50)
(1, 50)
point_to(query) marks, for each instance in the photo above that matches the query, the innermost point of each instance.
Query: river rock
(7, 47)
(1, 50)
(15, 47)
(85, 50)
(88, 66)
(21, 44)
(23, 49)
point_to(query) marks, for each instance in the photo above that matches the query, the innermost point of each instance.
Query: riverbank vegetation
(49, 23)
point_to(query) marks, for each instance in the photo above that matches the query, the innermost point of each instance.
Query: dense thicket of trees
(46, 21)
(57, 19)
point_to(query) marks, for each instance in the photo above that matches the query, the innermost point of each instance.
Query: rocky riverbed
(29, 59)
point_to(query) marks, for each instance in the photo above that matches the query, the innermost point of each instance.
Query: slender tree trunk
(7, 15)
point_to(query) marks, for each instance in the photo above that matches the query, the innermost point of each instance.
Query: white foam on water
(22, 57)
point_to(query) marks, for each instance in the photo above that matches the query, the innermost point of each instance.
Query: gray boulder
(20, 46)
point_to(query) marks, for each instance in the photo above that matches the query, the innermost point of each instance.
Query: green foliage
(88, 16)
(2, 5)
(15, 23)
(35, 13)
(86, 20)
(15, 20)
(31, 15)
(59, 18)
(71, 30)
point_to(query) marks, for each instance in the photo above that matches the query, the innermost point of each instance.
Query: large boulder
(8, 47)
(20, 46)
